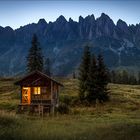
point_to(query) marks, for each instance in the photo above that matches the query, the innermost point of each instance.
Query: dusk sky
(16, 13)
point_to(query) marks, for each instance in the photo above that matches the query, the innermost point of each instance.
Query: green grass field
(118, 119)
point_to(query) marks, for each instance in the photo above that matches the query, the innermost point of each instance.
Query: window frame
(37, 90)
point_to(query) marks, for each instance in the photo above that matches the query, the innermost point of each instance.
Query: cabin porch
(37, 99)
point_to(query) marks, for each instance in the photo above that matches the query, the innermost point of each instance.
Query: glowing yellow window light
(36, 90)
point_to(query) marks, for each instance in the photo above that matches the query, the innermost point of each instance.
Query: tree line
(93, 78)
(124, 77)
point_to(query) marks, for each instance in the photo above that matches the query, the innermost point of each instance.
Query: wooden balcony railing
(41, 102)
(41, 97)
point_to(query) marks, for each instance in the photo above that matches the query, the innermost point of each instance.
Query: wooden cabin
(38, 92)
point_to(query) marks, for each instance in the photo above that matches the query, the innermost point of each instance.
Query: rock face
(63, 42)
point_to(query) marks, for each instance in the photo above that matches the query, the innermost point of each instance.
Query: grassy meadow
(118, 119)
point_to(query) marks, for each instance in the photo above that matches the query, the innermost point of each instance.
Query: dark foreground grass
(74, 127)
(119, 119)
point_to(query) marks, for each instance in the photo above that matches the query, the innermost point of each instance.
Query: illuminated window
(36, 90)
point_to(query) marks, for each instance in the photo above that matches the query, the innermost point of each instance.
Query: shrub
(66, 99)
(75, 101)
(63, 108)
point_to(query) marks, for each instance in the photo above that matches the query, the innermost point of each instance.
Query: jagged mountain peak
(70, 20)
(104, 16)
(1, 28)
(90, 18)
(105, 19)
(81, 19)
(42, 21)
(61, 19)
(9, 28)
(93, 17)
(121, 23)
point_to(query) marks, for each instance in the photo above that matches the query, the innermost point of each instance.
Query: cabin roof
(42, 75)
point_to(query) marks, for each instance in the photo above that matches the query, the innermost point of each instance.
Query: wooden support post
(52, 102)
(20, 94)
(58, 95)
(42, 110)
(39, 109)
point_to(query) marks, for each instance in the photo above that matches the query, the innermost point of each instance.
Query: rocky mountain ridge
(63, 41)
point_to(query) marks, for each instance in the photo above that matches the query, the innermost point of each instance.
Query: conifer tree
(92, 81)
(118, 77)
(74, 75)
(102, 80)
(125, 78)
(139, 77)
(83, 73)
(132, 79)
(34, 58)
(113, 76)
(47, 67)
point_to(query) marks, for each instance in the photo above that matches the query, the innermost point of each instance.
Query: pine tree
(139, 77)
(102, 80)
(92, 81)
(132, 79)
(47, 67)
(74, 75)
(34, 58)
(118, 77)
(113, 76)
(109, 76)
(125, 78)
(83, 73)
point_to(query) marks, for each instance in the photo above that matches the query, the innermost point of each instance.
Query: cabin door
(26, 95)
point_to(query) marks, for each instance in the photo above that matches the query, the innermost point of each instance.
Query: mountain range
(63, 42)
